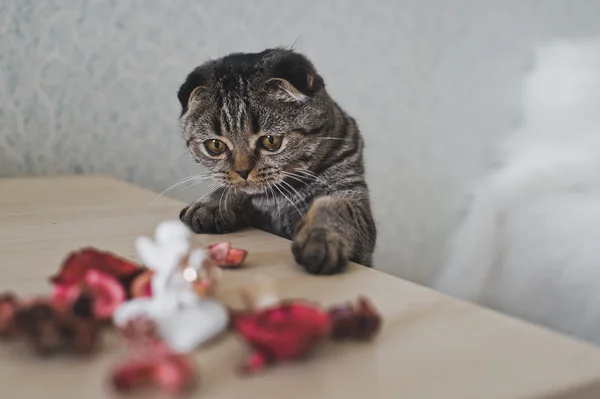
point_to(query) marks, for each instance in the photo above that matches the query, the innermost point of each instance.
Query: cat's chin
(250, 188)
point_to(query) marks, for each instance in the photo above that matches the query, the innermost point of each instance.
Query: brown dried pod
(8, 307)
(359, 321)
(49, 329)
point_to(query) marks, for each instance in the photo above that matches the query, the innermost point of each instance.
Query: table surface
(431, 346)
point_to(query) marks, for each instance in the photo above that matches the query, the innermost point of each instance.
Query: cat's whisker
(305, 178)
(335, 138)
(267, 190)
(227, 197)
(310, 174)
(274, 199)
(201, 178)
(294, 191)
(210, 190)
(287, 198)
(296, 177)
(305, 171)
(266, 184)
(195, 183)
(179, 183)
(220, 203)
(299, 197)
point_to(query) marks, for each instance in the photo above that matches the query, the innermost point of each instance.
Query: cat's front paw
(205, 218)
(320, 250)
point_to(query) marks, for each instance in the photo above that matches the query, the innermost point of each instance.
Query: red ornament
(227, 257)
(152, 363)
(104, 291)
(78, 263)
(284, 331)
(105, 277)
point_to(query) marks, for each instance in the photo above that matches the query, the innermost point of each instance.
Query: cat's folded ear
(195, 83)
(294, 79)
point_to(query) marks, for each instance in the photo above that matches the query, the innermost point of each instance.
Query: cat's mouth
(269, 183)
(253, 187)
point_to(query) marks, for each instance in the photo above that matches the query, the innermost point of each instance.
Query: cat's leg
(221, 213)
(335, 229)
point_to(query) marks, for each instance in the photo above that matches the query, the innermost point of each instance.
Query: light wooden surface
(430, 346)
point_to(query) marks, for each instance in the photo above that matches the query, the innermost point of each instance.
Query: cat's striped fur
(311, 189)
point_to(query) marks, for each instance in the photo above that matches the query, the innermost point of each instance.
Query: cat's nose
(243, 173)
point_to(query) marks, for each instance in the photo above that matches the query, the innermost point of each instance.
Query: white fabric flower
(183, 319)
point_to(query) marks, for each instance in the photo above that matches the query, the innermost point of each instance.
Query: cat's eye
(215, 147)
(270, 143)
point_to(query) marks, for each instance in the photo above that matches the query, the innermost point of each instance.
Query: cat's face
(254, 120)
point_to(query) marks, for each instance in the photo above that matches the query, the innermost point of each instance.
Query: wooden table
(431, 346)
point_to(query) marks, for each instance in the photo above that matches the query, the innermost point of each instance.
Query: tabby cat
(284, 158)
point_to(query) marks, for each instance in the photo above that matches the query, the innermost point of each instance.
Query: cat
(529, 245)
(284, 157)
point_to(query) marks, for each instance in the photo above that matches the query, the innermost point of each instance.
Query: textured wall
(88, 86)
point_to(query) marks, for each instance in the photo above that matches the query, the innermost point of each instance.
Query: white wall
(89, 86)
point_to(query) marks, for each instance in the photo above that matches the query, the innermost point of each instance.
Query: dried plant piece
(227, 257)
(278, 331)
(286, 330)
(107, 276)
(152, 362)
(360, 321)
(175, 374)
(142, 285)
(96, 296)
(8, 307)
(49, 328)
(106, 291)
(83, 306)
(77, 264)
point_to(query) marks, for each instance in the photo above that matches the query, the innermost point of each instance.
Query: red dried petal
(234, 259)
(61, 292)
(131, 375)
(107, 292)
(152, 362)
(284, 332)
(175, 375)
(142, 285)
(255, 362)
(227, 257)
(8, 307)
(78, 263)
(219, 250)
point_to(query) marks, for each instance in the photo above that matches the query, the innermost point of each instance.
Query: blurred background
(89, 86)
